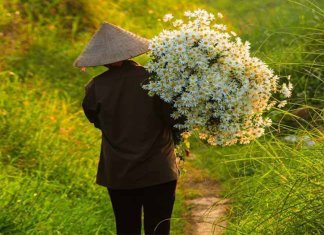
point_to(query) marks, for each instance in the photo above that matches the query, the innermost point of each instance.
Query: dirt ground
(206, 209)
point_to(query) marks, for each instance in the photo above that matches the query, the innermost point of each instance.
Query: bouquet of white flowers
(212, 80)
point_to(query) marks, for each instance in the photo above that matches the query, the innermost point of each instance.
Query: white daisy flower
(167, 17)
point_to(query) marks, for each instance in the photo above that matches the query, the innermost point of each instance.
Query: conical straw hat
(111, 44)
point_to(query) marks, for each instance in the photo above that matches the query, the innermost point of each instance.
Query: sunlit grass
(275, 187)
(49, 152)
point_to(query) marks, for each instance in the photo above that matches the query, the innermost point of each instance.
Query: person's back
(137, 144)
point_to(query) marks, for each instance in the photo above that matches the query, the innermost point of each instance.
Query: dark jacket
(137, 147)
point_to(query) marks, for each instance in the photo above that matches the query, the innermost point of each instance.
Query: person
(137, 161)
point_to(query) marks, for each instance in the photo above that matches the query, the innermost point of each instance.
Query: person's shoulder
(100, 77)
(133, 64)
(139, 68)
(89, 84)
(96, 79)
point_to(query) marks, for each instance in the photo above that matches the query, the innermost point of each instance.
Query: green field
(49, 151)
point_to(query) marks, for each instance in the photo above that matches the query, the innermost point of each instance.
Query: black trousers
(157, 202)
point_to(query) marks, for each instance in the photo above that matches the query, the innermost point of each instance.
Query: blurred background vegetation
(49, 152)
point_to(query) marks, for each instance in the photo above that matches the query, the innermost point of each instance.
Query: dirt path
(206, 210)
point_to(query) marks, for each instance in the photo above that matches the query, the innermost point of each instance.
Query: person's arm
(165, 110)
(90, 105)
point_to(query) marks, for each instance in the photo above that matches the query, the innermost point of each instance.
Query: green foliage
(48, 153)
(274, 187)
(48, 164)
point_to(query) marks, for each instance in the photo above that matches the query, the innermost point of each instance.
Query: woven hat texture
(111, 44)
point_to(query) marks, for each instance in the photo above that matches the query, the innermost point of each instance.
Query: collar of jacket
(125, 64)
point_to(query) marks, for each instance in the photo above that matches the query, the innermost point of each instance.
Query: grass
(49, 152)
(275, 187)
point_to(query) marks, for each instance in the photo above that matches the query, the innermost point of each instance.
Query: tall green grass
(48, 165)
(49, 152)
(274, 187)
